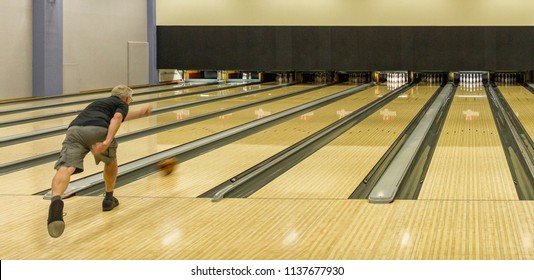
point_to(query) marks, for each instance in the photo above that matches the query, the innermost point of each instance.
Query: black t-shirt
(100, 112)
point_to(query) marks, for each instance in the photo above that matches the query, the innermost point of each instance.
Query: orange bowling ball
(167, 166)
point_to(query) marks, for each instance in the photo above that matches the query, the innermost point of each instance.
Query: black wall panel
(252, 48)
(407, 48)
(346, 47)
(379, 48)
(311, 49)
(448, 48)
(345, 52)
(216, 47)
(283, 51)
(515, 46)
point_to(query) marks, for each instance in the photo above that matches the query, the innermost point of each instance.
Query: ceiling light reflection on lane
(290, 238)
(171, 238)
(405, 241)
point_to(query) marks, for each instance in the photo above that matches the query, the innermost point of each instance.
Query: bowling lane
(83, 97)
(38, 178)
(49, 144)
(334, 171)
(469, 162)
(522, 102)
(44, 124)
(202, 173)
(69, 108)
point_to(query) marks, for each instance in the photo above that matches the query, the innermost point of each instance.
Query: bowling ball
(167, 166)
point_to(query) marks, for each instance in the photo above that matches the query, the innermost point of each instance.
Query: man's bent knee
(67, 169)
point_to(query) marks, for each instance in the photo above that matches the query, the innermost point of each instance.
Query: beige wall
(95, 41)
(15, 49)
(347, 12)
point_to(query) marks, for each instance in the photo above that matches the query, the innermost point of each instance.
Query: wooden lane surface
(36, 179)
(44, 124)
(196, 176)
(469, 162)
(521, 100)
(149, 228)
(334, 171)
(49, 144)
(88, 96)
(38, 125)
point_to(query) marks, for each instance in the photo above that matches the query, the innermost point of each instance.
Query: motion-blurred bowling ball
(167, 166)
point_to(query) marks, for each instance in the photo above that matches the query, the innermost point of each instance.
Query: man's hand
(99, 148)
(146, 111)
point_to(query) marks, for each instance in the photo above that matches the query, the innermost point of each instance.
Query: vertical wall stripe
(153, 77)
(47, 65)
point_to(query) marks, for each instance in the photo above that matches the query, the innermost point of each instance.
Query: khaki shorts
(77, 145)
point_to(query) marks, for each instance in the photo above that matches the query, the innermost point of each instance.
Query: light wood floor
(81, 97)
(160, 218)
(194, 177)
(193, 228)
(38, 178)
(469, 162)
(68, 108)
(50, 144)
(337, 169)
(521, 100)
(45, 124)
